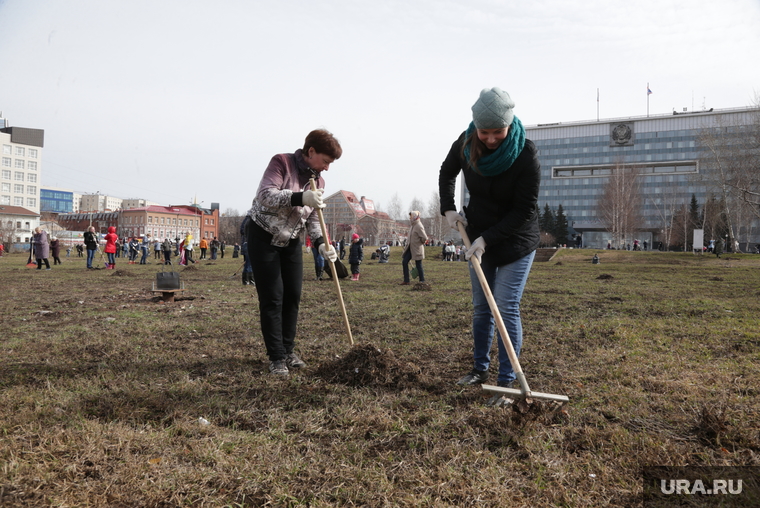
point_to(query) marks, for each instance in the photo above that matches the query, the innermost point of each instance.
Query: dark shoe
(278, 368)
(294, 362)
(473, 378)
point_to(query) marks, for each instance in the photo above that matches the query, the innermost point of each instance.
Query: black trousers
(278, 273)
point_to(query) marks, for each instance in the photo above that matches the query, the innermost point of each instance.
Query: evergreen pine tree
(694, 212)
(546, 223)
(560, 226)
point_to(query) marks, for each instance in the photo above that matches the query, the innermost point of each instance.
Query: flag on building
(649, 92)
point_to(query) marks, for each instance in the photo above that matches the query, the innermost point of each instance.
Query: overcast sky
(170, 100)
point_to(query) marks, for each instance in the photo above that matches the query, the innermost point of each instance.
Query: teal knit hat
(493, 109)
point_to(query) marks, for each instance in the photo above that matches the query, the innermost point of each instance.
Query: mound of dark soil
(366, 365)
(422, 286)
(605, 276)
(189, 268)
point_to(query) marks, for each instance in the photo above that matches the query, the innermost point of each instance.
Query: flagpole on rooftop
(597, 104)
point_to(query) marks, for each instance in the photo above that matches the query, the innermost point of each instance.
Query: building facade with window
(21, 167)
(346, 214)
(160, 222)
(56, 200)
(99, 203)
(577, 159)
(16, 225)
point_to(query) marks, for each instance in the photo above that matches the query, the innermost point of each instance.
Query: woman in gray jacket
(283, 207)
(41, 248)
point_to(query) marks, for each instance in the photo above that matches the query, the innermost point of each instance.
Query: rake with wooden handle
(322, 225)
(525, 391)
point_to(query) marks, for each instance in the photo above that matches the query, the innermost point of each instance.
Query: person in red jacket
(110, 249)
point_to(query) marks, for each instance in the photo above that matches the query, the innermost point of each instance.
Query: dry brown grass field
(110, 397)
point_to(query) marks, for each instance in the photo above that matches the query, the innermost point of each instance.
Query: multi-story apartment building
(21, 166)
(99, 203)
(136, 203)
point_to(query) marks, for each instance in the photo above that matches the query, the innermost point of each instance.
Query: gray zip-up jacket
(278, 206)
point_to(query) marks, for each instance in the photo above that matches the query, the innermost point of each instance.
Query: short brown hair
(323, 142)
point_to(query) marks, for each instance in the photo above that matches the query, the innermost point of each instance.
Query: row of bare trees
(729, 161)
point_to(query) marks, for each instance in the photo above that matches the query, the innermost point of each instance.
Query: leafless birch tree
(620, 203)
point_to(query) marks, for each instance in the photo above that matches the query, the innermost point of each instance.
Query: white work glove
(476, 249)
(453, 217)
(328, 252)
(313, 198)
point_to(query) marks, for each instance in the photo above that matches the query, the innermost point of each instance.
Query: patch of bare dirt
(367, 365)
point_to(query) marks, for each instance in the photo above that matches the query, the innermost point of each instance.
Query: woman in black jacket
(502, 174)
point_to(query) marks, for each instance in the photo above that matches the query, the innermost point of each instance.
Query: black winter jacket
(356, 252)
(503, 209)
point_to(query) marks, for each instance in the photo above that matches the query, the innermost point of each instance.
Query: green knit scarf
(504, 156)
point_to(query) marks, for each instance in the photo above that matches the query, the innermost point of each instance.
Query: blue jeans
(319, 262)
(405, 264)
(90, 257)
(507, 283)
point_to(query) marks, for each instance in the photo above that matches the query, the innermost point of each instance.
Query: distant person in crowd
(645, 244)
(235, 251)
(144, 247)
(187, 250)
(80, 250)
(283, 207)
(111, 247)
(55, 249)
(222, 245)
(247, 268)
(41, 248)
(156, 249)
(125, 248)
(2, 249)
(415, 247)
(450, 250)
(203, 245)
(342, 245)
(356, 255)
(166, 247)
(134, 247)
(214, 247)
(502, 173)
(718, 248)
(384, 252)
(319, 261)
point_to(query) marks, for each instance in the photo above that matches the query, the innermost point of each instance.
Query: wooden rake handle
(322, 225)
(497, 316)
